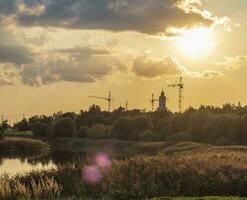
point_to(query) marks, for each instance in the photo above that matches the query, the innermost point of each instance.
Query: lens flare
(102, 160)
(91, 174)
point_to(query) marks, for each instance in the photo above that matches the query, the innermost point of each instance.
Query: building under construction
(162, 101)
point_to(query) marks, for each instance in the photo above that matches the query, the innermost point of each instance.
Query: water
(13, 163)
(17, 166)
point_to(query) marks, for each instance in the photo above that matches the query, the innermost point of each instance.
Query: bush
(64, 127)
(39, 129)
(100, 131)
(82, 132)
(180, 137)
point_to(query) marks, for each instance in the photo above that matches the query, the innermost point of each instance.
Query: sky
(56, 53)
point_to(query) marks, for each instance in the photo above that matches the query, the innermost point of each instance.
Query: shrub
(82, 132)
(180, 137)
(64, 127)
(100, 131)
(39, 129)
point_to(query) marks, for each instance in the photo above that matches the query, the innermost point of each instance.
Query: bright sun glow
(197, 42)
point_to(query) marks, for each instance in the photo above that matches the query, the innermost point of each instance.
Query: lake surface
(13, 164)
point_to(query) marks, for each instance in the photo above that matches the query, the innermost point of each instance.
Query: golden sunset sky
(55, 53)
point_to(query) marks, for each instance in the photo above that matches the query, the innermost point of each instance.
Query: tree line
(226, 125)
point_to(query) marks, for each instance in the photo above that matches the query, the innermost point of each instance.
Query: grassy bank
(126, 148)
(22, 145)
(112, 147)
(217, 173)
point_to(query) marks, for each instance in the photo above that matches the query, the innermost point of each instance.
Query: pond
(13, 163)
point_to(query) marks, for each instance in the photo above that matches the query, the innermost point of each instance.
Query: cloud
(113, 43)
(211, 74)
(15, 54)
(149, 67)
(89, 51)
(5, 83)
(79, 64)
(145, 16)
(208, 74)
(233, 63)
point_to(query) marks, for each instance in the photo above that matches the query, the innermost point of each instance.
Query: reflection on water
(16, 166)
(13, 163)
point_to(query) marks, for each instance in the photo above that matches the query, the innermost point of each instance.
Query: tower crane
(109, 99)
(180, 87)
(153, 100)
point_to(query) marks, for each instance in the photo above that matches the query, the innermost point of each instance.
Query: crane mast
(153, 100)
(109, 99)
(180, 87)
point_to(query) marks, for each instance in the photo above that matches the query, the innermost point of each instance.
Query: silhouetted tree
(64, 127)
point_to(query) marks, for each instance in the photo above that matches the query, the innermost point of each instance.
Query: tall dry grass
(45, 188)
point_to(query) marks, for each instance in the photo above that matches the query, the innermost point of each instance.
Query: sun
(197, 42)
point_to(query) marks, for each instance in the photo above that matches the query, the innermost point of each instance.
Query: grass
(13, 133)
(22, 145)
(45, 188)
(128, 148)
(112, 147)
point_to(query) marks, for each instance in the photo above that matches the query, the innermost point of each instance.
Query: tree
(94, 109)
(23, 125)
(162, 128)
(123, 128)
(5, 125)
(40, 130)
(142, 123)
(64, 127)
(99, 131)
(82, 132)
(1, 133)
(180, 137)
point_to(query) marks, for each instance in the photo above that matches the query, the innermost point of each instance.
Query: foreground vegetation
(215, 171)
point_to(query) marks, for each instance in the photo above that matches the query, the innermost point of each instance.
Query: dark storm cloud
(146, 16)
(15, 54)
